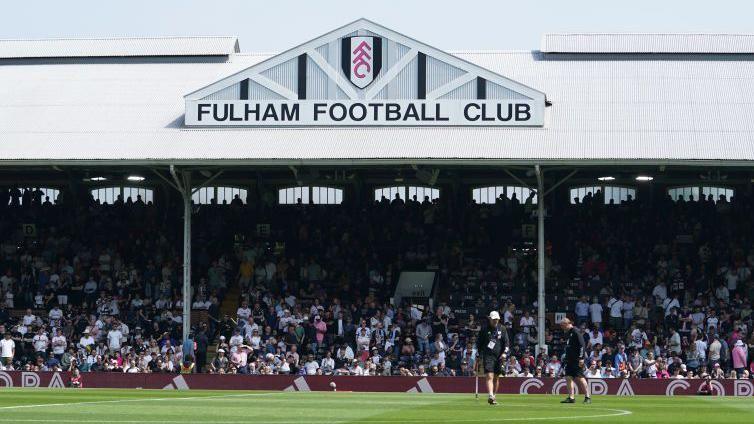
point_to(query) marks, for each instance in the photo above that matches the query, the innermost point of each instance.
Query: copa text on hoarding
(368, 112)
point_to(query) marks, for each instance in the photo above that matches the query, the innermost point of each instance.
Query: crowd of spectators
(661, 289)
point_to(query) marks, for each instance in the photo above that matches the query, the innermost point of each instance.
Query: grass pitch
(195, 406)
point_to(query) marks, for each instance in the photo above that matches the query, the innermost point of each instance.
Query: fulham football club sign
(338, 80)
(361, 59)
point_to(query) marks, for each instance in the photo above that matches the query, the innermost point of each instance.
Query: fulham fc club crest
(361, 59)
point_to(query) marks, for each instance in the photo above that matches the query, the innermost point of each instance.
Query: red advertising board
(617, 387)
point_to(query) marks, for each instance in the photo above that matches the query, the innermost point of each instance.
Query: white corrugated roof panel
(118, 47)
(605, 109)
(648, 43)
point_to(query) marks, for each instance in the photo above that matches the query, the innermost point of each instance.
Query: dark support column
(244, 89)
(421, 88)
(302, 77)
(481, 88)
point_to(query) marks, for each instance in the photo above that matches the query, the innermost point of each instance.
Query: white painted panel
(260, 92)
(440, 73)
(285, 74)
(382, 95)
(230, 93)
(498, 92)
(316, 81)
(466, 91)
(406, 81)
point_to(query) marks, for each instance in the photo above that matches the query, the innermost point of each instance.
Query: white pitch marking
(615, 413)
(96, 402)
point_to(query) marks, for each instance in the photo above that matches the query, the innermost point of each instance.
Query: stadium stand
(663, 289)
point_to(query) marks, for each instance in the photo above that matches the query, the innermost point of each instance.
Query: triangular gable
(396, 67)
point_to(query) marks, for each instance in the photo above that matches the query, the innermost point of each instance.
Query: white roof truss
(365, 27)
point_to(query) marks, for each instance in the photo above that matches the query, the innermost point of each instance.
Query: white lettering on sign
(364, 113)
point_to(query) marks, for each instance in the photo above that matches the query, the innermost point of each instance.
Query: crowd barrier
(619, 387)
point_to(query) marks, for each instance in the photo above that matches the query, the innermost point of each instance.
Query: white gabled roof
(606, 109)
(648, 43)
(364, 25)
(118, 47)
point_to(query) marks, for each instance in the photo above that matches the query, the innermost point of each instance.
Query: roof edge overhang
(377, 162)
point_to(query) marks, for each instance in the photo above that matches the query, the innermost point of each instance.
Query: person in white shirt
(130, 367)
(249, 328)
(255, 341)
(136, 302)
(362, 339)
(595, 337)
(202, 303)
(526, 322)
(650, 365)
(628, 312)
(29, 318)
(113, 339)
(731, 280)
(311, 366)
(674, 342)
(712, 321)
(638, 337)
(86, 340)
(714, 350)
(553, 366)
(7, 280)
(356, 368)
(582, 311)
(722, 293)
(104, 261)
(669, 303)
(59, 344)
(660, 293)
(235, 341)
(7, 349)
(701, 349)
(40, 341)
(615, 305)
(593, 371)
(595, 311)
(244, 312)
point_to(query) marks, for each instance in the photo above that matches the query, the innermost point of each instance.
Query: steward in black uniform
(492, 346)
(492, 342)
(572, 365)
(574, 353)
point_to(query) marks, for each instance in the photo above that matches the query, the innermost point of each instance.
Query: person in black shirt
(573, 364)
(492, 345)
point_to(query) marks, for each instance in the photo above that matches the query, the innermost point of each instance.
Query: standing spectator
(582, 311)
(714, 351)
(202, 343)
(628, 311)
(527, 323)
(114, 337)
(7, 349)
(59, 344)
(423, 333)
(595, 312)
(321, 330)
(674, 342)
(41, 342)
(738, 357)
(615, 305)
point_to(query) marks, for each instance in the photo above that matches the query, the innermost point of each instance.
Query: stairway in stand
(228, 306)
(231, 301)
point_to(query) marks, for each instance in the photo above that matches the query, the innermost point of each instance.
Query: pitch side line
(96, 402)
